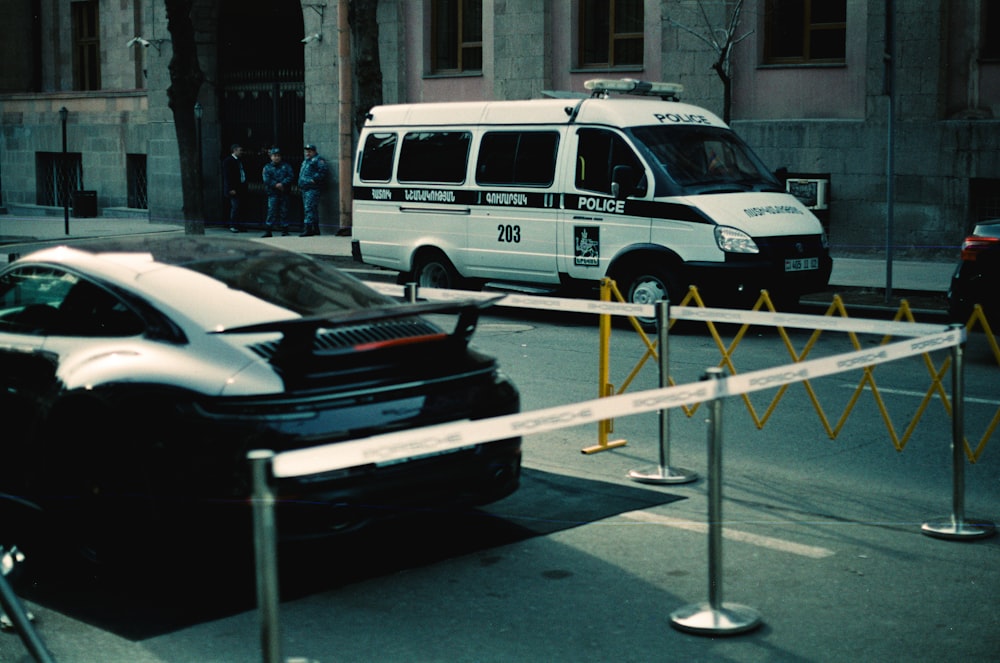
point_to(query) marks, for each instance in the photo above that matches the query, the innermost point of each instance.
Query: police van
(546, 193)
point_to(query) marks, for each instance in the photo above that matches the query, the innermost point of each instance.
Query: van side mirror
(622, 182)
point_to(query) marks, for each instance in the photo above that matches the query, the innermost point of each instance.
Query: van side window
(438, 157)
(598, 152)
(376, 158)
(517, 157)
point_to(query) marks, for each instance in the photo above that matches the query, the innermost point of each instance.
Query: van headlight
(732, 240)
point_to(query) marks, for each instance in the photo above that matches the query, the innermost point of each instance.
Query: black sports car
(137, 372)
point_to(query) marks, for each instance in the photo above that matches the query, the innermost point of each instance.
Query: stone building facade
(267, 82)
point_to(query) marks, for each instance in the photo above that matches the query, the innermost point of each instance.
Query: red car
(977, 278)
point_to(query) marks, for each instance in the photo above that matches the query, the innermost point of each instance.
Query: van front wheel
(432, 269)
(650, 285)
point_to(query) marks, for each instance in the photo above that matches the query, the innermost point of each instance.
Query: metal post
(64, 169)
(18, 616)
(663, 474)
(410, 292)
(266, 554)
(715, 617)
(956, 526)
(199, 111)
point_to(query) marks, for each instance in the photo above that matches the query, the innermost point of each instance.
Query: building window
(456, 36)
(990, 41)
(86, 46)
(135, 171)
(611, 33)
(805, 31)
(57, 176)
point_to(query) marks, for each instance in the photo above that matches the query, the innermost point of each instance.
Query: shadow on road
(207, 584)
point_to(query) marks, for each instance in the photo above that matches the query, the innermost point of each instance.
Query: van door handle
(437, 210)
(588, 218)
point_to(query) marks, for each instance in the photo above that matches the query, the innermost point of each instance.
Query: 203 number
(508, 234)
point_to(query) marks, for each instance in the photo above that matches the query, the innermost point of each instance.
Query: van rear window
(376, 158)
(438, 157)
(517, 157)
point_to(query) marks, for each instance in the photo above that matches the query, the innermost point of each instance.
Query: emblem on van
(800, 248)
(587, 245)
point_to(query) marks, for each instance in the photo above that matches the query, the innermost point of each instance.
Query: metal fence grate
(138, 192)
(57, 176)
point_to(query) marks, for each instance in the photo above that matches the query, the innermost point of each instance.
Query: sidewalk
(27, 233)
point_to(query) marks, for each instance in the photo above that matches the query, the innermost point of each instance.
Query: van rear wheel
(432, 269)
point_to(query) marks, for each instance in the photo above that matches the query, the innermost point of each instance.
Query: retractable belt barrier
(393, 447)
(692, 309)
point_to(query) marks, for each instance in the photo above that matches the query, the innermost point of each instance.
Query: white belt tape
(452, 436)
(696, 313)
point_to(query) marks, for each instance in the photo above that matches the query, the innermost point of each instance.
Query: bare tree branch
(708, 34)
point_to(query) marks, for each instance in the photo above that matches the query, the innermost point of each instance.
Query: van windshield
(706, 159)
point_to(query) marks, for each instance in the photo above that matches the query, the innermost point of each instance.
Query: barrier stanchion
(605, 388)
(715, 617)
(12, 608)
(410, 292)
(956, 526)
(265, 553)
(663, 473)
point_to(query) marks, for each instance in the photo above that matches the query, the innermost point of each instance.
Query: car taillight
(974, 244)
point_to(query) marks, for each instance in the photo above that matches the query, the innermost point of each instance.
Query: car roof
(213, 281)
(618, 111)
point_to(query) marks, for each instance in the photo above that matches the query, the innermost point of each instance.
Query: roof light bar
(600, 87)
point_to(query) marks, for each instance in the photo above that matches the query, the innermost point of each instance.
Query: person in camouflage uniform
(312, 176)
(278, 177)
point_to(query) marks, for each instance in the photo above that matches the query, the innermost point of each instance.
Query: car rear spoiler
(299, 334)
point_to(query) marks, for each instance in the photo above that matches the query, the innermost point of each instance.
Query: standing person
(312, 176)
(278, 177)
(234, 183)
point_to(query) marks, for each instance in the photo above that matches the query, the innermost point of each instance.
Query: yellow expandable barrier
(764, 302)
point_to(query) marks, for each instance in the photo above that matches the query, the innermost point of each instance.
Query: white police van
(653, 193)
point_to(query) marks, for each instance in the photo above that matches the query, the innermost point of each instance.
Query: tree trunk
(367, 64)
(186, 79)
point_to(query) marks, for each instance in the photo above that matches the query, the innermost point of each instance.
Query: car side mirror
(622, 182)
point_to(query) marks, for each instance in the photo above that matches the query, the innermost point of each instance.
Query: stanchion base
(949, 528)
(702, 619)
(614, 444)
(663, 475)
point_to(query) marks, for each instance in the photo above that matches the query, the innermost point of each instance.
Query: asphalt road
(822, 536)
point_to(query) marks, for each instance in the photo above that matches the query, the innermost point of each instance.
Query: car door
(512, 227)
(29, 300)
(597, 224)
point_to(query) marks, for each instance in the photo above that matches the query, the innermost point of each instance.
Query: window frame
(618, 152)
(63, 303)
(989, 41)
(583, 29)
(525, 156)
(457, 11)
(86, 19)
(417, 159)
(808, 30)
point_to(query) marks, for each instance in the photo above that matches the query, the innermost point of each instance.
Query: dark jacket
(233, 176)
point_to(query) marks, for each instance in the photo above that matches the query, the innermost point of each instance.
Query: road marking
(780, 545)
(919, 394)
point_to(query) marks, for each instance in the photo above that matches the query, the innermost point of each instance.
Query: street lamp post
(198, 112)
(64, 170)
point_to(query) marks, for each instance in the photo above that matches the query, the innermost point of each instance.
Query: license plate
(801, 264)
